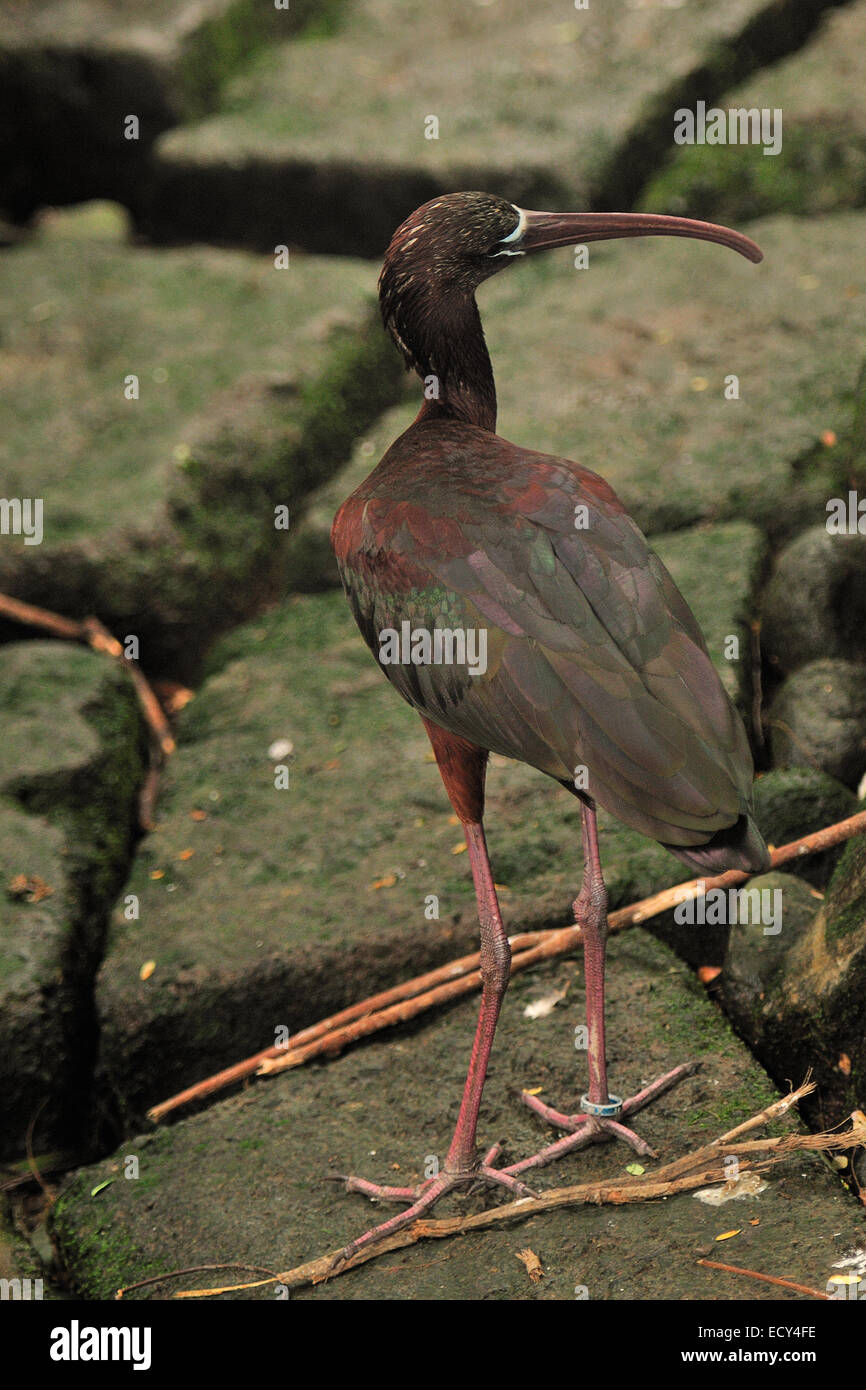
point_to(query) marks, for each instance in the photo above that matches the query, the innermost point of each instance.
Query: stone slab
(71, 759)
(247, 1179)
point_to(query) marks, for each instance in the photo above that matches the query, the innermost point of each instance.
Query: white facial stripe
(513, 236)
(518, 230)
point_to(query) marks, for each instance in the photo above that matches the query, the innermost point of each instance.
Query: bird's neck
(453, 363)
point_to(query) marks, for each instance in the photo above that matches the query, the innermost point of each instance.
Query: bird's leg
(590, 913)
(602, 1112)
(462, 768)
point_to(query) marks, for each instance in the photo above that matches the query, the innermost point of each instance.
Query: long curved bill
(543, 230)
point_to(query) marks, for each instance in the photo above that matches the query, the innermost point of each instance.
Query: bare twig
(28, 1144)
(96, 635)
(765, 1278)
(196, 1269)
(102, 641)
(405, 1001)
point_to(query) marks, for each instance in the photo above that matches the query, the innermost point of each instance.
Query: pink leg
(602, 1112)
(462, 1165)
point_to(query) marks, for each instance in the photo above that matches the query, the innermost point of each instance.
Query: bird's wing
(594, 660)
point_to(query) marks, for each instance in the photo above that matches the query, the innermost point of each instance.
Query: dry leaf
(726, 1235)
(749, 1185)
(387, 882)
(198, 815)
(459, 849)
(147, 970)
(708, 973)
(536, 1091)
(186, 854)
(157, 873)
(530, 1260)
(30, 887)
(844, 1064)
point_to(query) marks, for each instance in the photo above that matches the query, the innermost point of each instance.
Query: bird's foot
(423, 1197)
(592, 1127)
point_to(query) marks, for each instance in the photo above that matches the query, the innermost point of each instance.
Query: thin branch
(101, 640)
(96, 635)
(28, 1144)
(412, 997)
(196, 1269)
(31, 616)
(765, 1278)
(773, 1111)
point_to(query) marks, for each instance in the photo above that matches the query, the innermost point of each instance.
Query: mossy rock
(337, 143)
(159, 511)
(814, 606)
(801, 1006)
(762, 935)
(71, 71)
(794, 801)
(819, 715)
(71, 763)
(821, 165)
(247, 1179)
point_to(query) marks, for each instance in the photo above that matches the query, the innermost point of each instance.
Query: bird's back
(594, 666)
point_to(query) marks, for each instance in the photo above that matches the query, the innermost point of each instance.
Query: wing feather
(594, 657)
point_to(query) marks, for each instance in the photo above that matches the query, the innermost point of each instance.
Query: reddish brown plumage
(463, 767)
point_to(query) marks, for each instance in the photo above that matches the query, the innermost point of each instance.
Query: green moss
(96, 804)
(846, 896)
(794, 801)
(71, 764)
(162, 510)
(93, 1245)
(223, 44)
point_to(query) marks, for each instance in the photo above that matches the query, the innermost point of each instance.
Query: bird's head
(440, 255)
(437, 259)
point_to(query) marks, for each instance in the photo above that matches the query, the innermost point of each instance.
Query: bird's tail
(740, 846)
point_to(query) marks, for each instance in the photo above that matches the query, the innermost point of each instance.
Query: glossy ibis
(594, 671)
